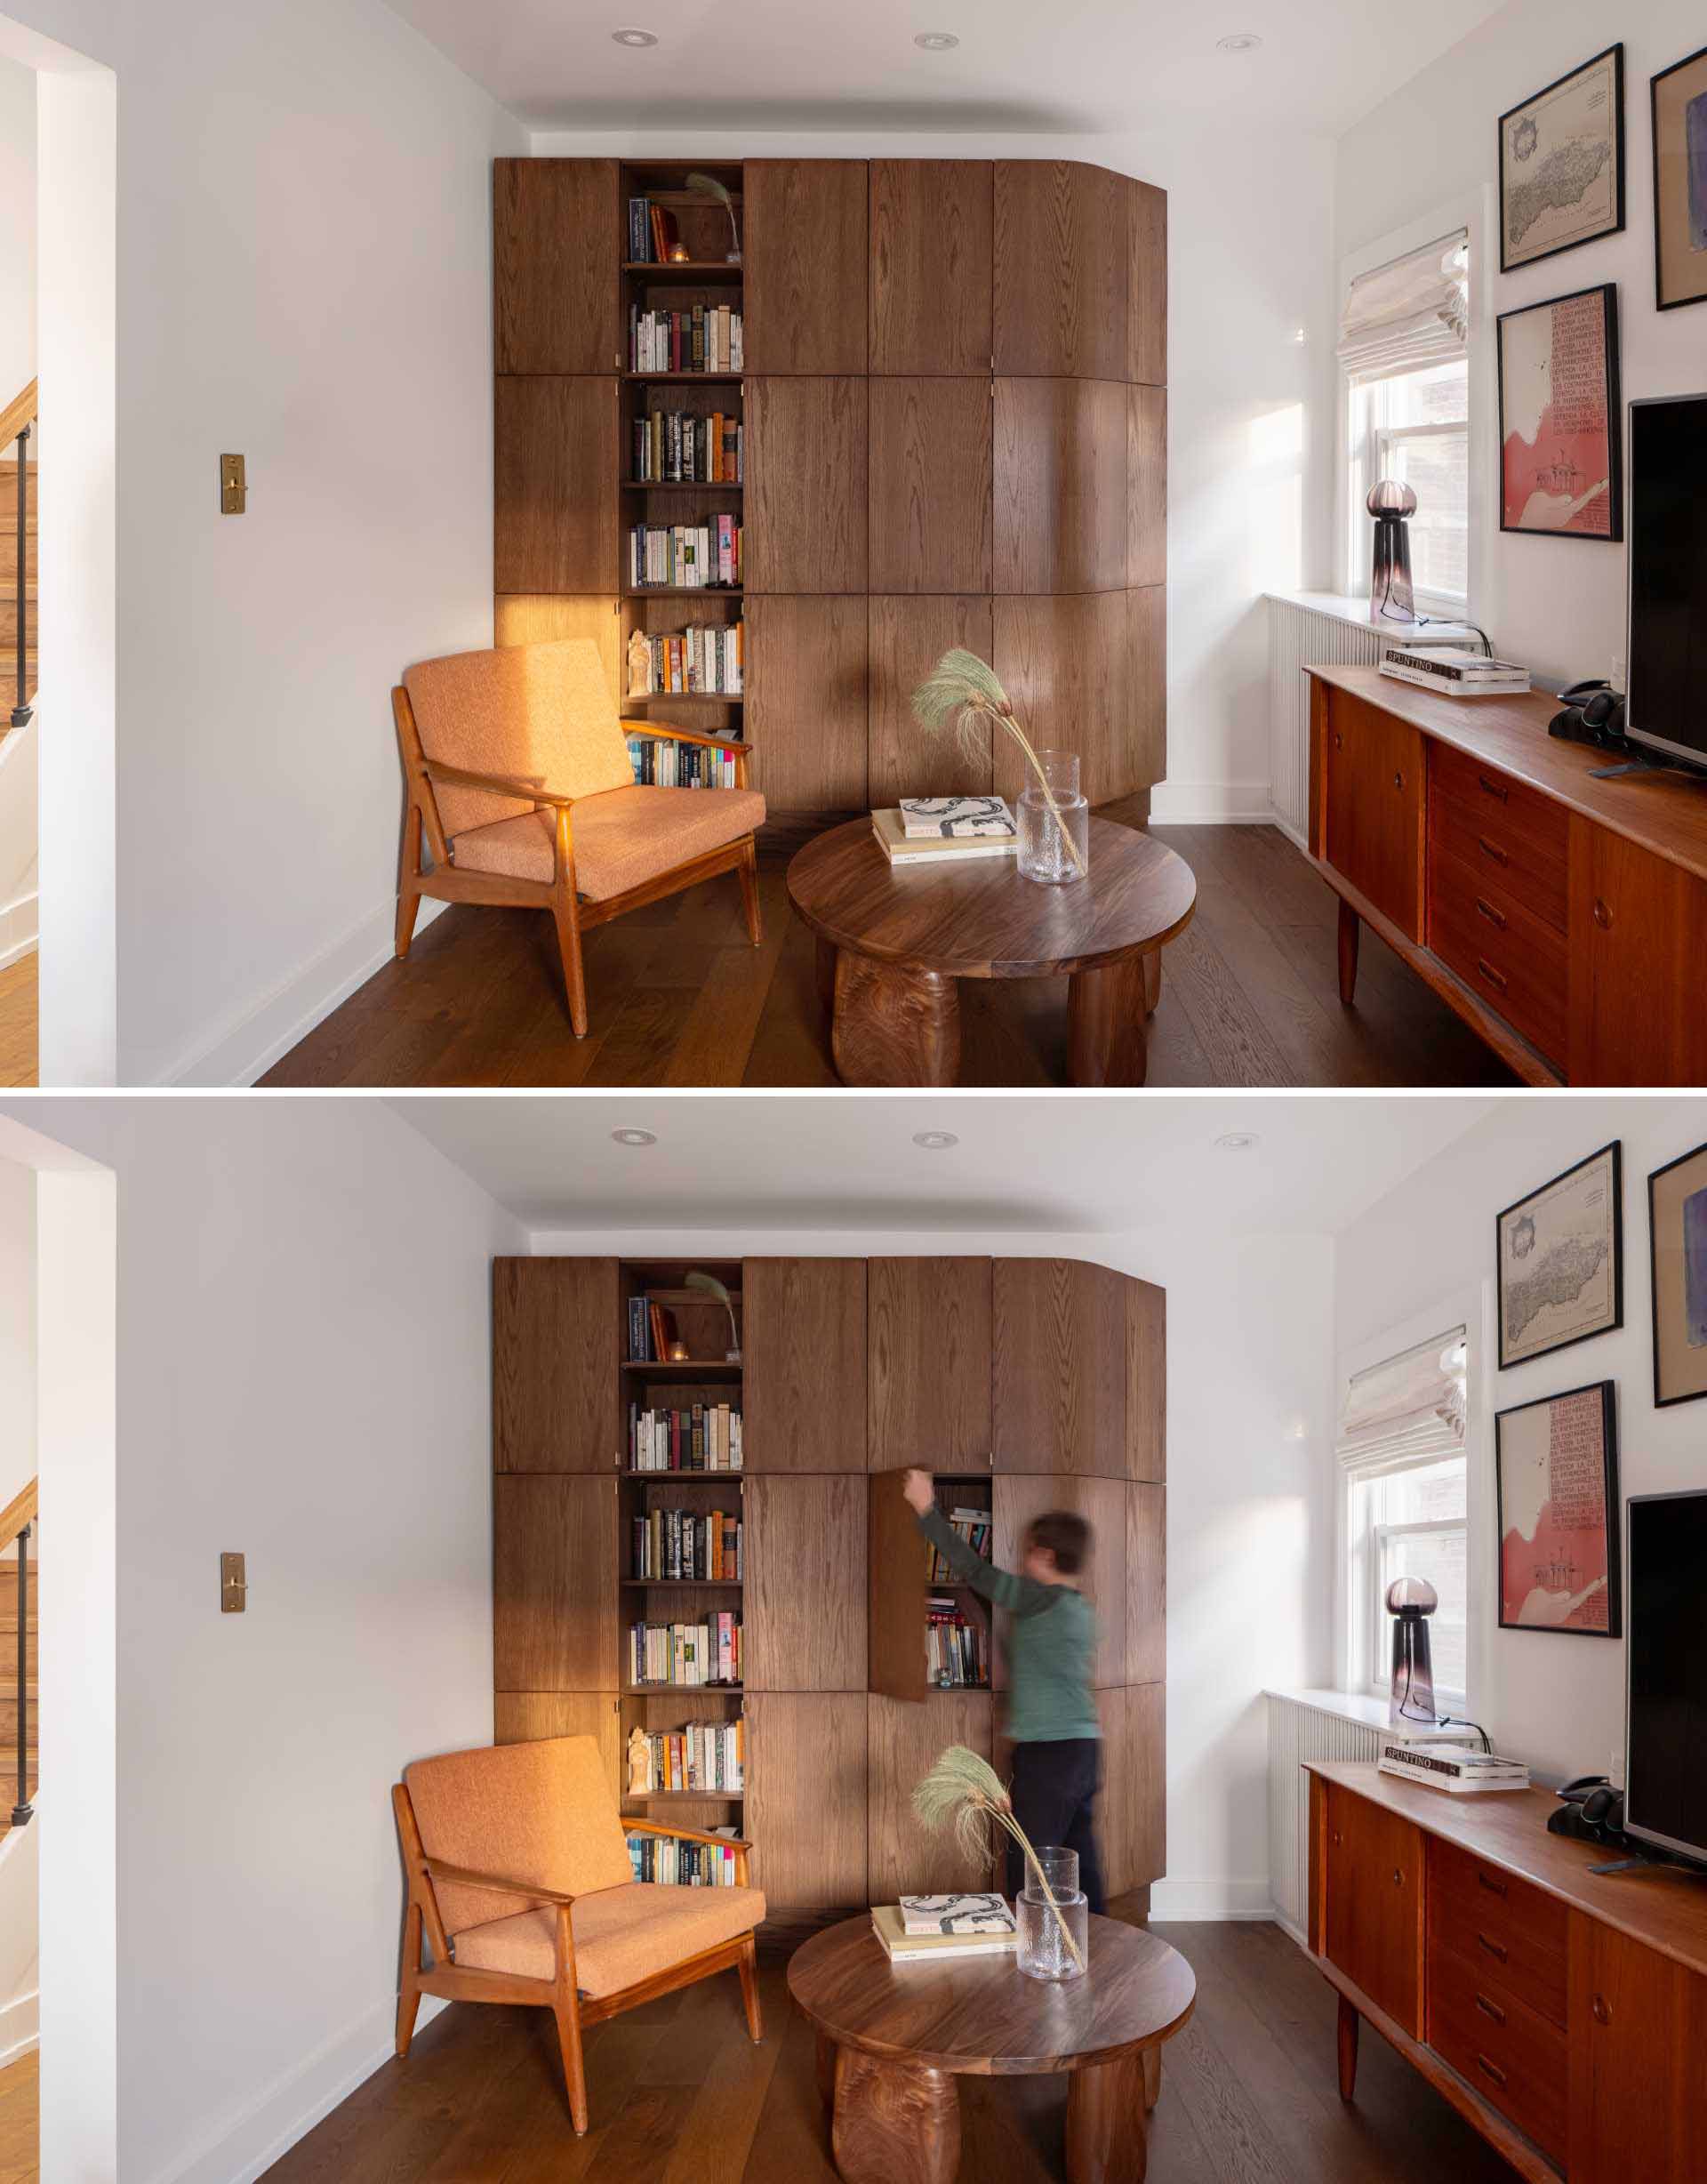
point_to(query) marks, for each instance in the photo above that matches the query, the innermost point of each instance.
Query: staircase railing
(18, 1521)
(18, 423)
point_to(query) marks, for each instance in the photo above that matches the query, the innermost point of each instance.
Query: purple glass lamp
(1391, 596)
(1411, 1601)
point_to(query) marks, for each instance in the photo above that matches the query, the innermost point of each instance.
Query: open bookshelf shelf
(685, 1690)
(684, 379)
(681, 592)
(701, 271)
(683, 1367)
(682, 1585)
(688, 697)
(683, 1797)
(680, 485)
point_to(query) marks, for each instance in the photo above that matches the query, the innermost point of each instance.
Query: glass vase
(1042, 847)
(1041, 1951)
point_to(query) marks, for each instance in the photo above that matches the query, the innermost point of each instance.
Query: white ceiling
(1073, 65)
(1089, 1164)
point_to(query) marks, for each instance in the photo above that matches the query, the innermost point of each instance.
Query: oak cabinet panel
(1147, 285)
(929, 1361)
(1146, 1382)
(804, 1386)
(1637, 2034)
(909, 636)
(1062, 254)
(555, 1325)
(545, 618)
(804, 1623)
(1146, 1584)
(554, 1584)
(1638, 941)
(805, 248)
(555, 487)
(524, 1717)
(1146, 485)
(1140, 753)
(1059, 1394)
(932, 251)
(806, 518)
(904, 1741)
(557, 225)
(898, 1561)
(1062, 513)
(930, 485)
(1375, 807)
(1063, 663)
(1018, 1500)
(1145, 1789)
(806, 1788)
(806, 703)
(1374, 1904)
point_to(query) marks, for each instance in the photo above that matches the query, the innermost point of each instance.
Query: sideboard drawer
(1513, 2057)
(1513, 1933)
(1517, 839)
(1497, 799)
(1499, 948)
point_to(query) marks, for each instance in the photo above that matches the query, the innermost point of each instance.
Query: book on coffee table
(960, 1911)
(899, 848)
(904, 1949)
(956, 817)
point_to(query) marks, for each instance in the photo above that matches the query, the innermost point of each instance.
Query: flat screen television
(1665, 1752)
(1666, 695)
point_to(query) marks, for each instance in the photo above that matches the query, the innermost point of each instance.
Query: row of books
(690, 1437)
(682, 1865)
(957, 1649)
(686, 1547)
(705, 337)
(660, 764)
(973, 1527)
(672, 447)
(707, 1652)
(692, 556)
(706, 657)
(651, 232)
(700, 1756)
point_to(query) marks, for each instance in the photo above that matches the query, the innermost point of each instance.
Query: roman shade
(1409, 314)
(1406, 1411)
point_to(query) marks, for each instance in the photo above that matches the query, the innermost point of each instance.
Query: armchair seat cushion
(623, 1935)
(624, 838)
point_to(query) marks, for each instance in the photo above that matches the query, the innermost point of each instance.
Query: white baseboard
(20, 2026)
(255, 1036)
(19, 928)
(241, 2145)
(1211, 1899)
(1210, 804)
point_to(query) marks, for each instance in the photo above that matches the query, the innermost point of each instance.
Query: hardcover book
(954, 817)
(961, 1912)
(891, 839)
(904, 1949)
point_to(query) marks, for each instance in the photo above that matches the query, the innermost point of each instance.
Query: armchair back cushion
(539, 1812)
(542, 712)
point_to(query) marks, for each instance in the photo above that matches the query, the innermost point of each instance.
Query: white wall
(1249, 1563)
(1248, 485)
(1556, 1701)
(1556, 604)
(303, 1375)
(17, 1329)
(17, 227)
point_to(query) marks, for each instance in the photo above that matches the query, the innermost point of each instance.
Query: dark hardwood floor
(677, 997)
(680, 2096)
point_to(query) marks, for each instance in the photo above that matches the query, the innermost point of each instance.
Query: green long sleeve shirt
(1050, 1642)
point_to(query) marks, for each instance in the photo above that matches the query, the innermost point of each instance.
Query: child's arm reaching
(1019, 1595)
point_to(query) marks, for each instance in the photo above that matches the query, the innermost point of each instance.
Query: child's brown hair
(1065, 1535)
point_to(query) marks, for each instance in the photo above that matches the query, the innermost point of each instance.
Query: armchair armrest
(688, 735)
(503, 784)
(440, 1871)
(684, 1834)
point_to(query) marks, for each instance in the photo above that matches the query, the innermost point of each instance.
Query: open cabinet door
(898, 1559)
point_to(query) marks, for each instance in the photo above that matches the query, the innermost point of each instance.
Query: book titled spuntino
(956, 818)
(957, 1914)
(1456, 1768)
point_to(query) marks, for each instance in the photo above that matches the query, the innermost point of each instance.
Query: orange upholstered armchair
(515, 769)
(520, 1881)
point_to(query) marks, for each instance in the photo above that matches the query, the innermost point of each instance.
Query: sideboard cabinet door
(1638, 2040)
(1373, 1866)
(1374, 807)
(1638, 936)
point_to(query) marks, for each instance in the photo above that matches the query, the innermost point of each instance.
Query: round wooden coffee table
(893, 2040)
(893, 941)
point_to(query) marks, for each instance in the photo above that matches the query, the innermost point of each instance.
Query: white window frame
(1373, 464)
(1378, 1677)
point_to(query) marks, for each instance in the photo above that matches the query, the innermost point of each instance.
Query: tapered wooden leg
(1105, 2124)
(748, 1970)
(1349, 2023)
(894, 2123)
(747, 873)
(1105, 1024)
(575, 979)
(1152, 2076)
(893, 1026)
(408, 1992)
(574, 2067)
(1152, 981)
(1350, 931)
(408, 873)
(826, 2070)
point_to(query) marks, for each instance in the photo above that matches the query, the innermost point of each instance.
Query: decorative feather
(962, 690)
(708, 186)
(964, 1791)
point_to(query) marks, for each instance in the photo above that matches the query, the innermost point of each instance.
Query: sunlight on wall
(1276, 445)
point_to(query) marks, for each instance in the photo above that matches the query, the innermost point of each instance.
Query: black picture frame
(1607, 1390)
(1607, 291)
(1676, 303)
(1616, 54)
(1687, 1395)
(1616, 1147)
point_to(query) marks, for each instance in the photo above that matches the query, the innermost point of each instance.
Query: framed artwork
(1562, 163)
(1679, 95)
(1677, 1237)
(1560, 1254)
(1556, 1482)
(1561, 431)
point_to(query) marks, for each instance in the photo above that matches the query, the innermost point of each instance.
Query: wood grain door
(1374, 1904)
(806, 1809)
(1147, 285)
(1638, 941)
(1063, 662)
(928, 1352)
(1062, 252)
(1375, 807)
(1134, 1803)
(524, 1717)
(1146, 485)
(1146, 1381)
(930, 485)
(1637, 2034)
(902, 1742)
(806, 703)
(1146, 1584)
(555, 1327)
(807, 520)
(1020, 1499)
(804, 1614)
(932, 261)
(556, 238)
(555, 485)
(898, 1560)
(1141, 755)
(1063, 517)
(803, 1388)
(554, 1584)
(909, 636)
(806, 266)
(1059, 1384)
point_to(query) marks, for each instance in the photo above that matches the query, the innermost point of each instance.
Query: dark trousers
(1054, 1788)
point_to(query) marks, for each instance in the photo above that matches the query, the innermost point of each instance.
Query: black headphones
(1591, 1808)
(1594, 713)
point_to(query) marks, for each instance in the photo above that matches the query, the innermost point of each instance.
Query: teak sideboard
(1024, 1385)
(1563, 917)
(1563, 2013)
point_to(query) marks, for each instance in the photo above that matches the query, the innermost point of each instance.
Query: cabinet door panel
(555, 487)
(904, 1741)
(524, 1717)
(1375, 807)
(806, 703)
(806, 1804)
(929, 1361)
(804, 1608)
(805, 265)
(1059, 1385)
(1147, 286)
(556, 229)
(1018, 1499)
(1140, 759)
(1146, 1584)
(1374, 1903)
(898, 1560)
(909, 637)
(1146, 1381)
(554, 1584)
(544, 618)
(1062, 514)
(1638, 2033)
(555, 1324)
(1146, 485)
(1638, 938)
(931, 248)
(930, 493)
(1062, 258)
(1063, 663)
(1146, 1782)
(803, 1389)
(806, 513)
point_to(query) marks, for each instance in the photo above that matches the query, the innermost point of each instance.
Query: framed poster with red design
(1556, 1480)
(1561, 440)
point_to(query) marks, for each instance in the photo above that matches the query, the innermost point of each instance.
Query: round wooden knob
(1602, 915)
(1399, 1878)
(1339, 741)
(1398, 780)
(1602, 2014)
(1338, 1839)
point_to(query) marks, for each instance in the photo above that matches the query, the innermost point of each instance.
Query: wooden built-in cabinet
(806, 259)
(804, 1393)
(806, 497)
(556, 230)
(928, 1363)
(1059, 1382)
(553, 1405)
(933, 261)
(805, 1605)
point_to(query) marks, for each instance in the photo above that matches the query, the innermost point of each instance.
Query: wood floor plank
(1235, 1041)
(20, 1019)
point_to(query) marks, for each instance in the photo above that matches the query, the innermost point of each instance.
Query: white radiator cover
(1298, 1732)
(1300, 638)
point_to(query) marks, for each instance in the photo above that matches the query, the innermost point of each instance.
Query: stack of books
(973, 1527)
(694, 1437)
(708, 1652)
(923, 1928)
(682, 1865)
(680, 1547)
(706, 337)
(651, 232)
(957, 1649)
(691, 557)
(700, 1756)
(1459, 674)
(925, 828)
(1457, 1768)
(660, 764)
(672, 447)
(705, 657)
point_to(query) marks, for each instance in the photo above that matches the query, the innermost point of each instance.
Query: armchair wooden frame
(573, 2010)
(572, 916)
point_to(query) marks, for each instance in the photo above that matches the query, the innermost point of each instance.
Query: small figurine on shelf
(639, 665)
(639, 1765)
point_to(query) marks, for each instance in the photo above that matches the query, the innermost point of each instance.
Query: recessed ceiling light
(935, 1141)
(1236, 1141)
(635, 1137)
(1239, 42)
(935, 41)
(634, 37)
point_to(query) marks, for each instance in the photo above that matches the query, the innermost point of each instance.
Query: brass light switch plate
(234, 486)
(234, 1585)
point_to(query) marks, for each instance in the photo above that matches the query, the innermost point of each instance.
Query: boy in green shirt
(1050, 1644)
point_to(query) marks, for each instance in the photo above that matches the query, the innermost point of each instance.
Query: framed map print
(1680, 183)
(1677, 1230)
(1561, 431)
(1556, 1483)
(1562, 163)
(1561, 1260)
